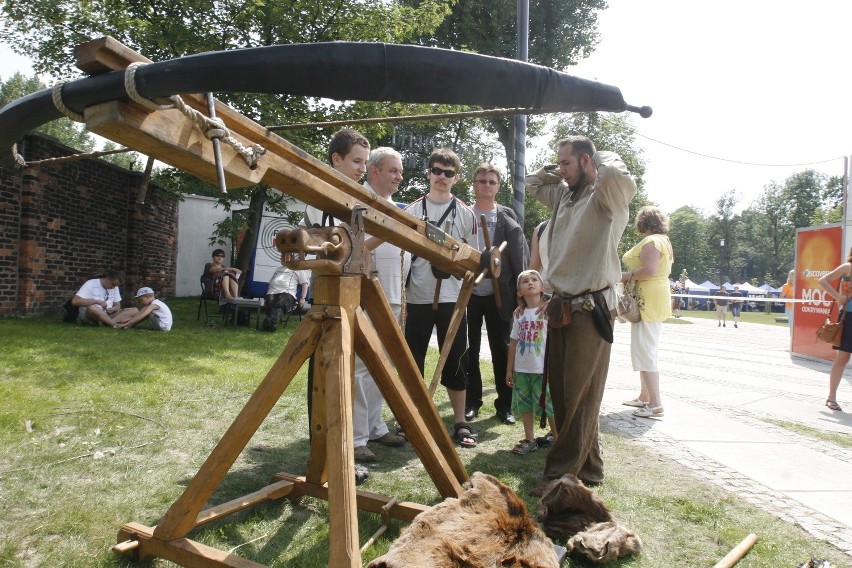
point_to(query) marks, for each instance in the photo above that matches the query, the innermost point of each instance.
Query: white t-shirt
(462, 227)
(486, 287)
(161, 318)
(392, 264)
(285, 280)
(94, 290)
(530, 329)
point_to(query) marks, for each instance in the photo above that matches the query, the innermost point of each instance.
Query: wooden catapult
(350, 316)
(197, 134)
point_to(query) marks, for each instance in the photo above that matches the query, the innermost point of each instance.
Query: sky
(764, 82)
(744, 92)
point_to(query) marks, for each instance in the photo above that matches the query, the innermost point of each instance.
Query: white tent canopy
(693, 287)
(746, 287)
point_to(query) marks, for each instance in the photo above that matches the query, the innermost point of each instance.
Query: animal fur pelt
(487, 526)
(815, 563)
(570, 511)
(604, 542)
(568, 507)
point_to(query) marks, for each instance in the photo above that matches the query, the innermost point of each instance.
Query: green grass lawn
(100, 427)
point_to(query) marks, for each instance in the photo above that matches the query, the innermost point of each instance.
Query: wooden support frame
(337, 327)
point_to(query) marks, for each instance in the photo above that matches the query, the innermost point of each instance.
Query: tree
(803, 191)
(561, 33)
(161, 31)
(723, 235)
(767, 228)
(688, 232)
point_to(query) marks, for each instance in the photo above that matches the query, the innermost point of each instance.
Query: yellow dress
(652, 294)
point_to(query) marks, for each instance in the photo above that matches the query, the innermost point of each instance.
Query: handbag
(627, 308)
(832, 333)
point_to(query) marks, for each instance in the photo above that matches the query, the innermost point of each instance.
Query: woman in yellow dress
(649, 264)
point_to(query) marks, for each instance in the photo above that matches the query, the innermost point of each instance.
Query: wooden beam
(171, 138)
(105, 54)
(271, 492)
(367, 501)
(182, 515)
(182, 551)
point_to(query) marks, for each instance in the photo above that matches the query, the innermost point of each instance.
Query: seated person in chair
(223, 282)
(153, 310)
(287, 289)
(99, 301)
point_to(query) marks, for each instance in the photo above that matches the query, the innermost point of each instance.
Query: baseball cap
(142, 291)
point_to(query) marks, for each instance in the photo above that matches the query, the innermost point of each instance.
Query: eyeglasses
(487, 181)
(436, 171)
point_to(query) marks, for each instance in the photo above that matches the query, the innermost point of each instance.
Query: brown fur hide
(487, 526)
(604, 542)
(568, 507)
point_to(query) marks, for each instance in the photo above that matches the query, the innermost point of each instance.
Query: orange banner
(818, 252)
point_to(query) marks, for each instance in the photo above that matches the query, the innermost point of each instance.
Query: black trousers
(481, 308)
(421, 319)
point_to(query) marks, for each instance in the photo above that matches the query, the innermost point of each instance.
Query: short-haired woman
(649, 264)
(224, 280)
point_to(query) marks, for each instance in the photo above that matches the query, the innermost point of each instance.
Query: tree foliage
(688, 232)
(63, 129)
(759, 241)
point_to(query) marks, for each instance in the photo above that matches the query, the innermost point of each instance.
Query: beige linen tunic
(584, 229)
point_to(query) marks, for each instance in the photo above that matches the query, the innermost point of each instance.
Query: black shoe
(545, 441)
(505, 417)
(470, 413)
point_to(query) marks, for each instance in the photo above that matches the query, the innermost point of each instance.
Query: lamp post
(520, 120)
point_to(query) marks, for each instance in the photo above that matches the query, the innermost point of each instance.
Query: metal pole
(520, 120)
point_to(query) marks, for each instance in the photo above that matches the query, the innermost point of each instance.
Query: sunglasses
(436, 171)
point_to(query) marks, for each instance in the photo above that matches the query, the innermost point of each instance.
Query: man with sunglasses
(502, 226)
(442, 209)
(99, 301)
(589, 193)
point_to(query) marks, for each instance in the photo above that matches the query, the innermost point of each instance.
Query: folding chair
(205, 296)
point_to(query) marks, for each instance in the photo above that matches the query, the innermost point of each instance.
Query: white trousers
(367, 401)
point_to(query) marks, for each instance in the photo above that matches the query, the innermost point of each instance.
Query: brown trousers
(577, 367)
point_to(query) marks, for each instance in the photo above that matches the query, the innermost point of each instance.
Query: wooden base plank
(273, 492)
(183, 551)
(367, 501)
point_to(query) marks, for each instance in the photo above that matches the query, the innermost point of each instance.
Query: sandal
(649, 412)
(635, 402)
(524, 447)
(832, 405)
(464, 435)
(545, 441)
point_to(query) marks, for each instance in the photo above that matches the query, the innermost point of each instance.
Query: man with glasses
(442, 209)
(99, 301)
(502, 226)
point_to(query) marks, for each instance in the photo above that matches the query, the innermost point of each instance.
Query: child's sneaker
(545, 441)
(524, 447)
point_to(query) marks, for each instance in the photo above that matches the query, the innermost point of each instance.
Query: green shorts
(526, 394)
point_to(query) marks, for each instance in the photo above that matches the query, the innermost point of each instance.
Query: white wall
(197, 216)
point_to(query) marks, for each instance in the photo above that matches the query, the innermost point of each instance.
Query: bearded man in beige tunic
(589, 193)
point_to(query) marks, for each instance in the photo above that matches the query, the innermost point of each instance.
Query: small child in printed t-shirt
(526, 362)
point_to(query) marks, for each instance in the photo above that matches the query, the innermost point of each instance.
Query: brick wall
(62, 224)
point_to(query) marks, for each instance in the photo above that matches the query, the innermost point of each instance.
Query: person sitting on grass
(526, 362)
(156, 311)
(99, 302)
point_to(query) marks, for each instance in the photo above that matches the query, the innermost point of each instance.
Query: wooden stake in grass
(738, 552)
